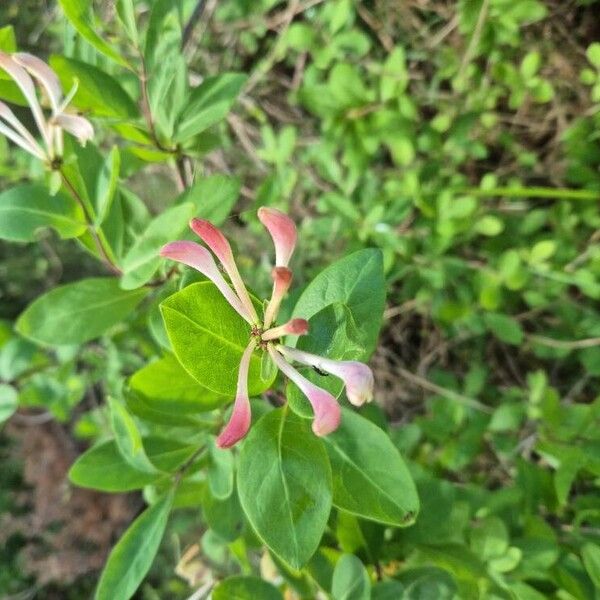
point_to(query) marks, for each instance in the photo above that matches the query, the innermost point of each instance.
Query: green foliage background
(462, 140)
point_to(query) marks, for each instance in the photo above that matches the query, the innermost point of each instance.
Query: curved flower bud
(78, 126)
(357, 377)
(25, 83)
(241, 416)
(282, 279)
(44, 74)
(199, 258)
(327, 410)
(292, 327)
(19, 133)
(283, 232)
(219, 245)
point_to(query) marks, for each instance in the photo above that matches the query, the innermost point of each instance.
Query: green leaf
(505, 328)
(370, 478)
(213, 197)
(334, 334)
(220, 472)
(104, 468)
(142, 259)
(8, 42)
(209, 338)
(8, 401)
(106, 185)
(224, 517)
(77, 312)
(126, 12)
(591, 557)
(387, 590)
(593, 54)
(350, 580)
(79, 13)
(245, 588)
(356, 281)
(25, 209)
(284, 483)
(97, 92)
(209, 103)
(128, 438)
(167, 387)
(530, 65)
(131, 558)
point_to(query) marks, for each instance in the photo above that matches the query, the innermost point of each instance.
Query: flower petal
(44, 74)
(219, 245)
(19, 135)
(11, 134)
(25, 83)
(283, 232)
(292, 327)
(357, 377)
(325, 407)
(7, 114)
(282, 279)
(78, 126)
(241, 416)
(194, 255)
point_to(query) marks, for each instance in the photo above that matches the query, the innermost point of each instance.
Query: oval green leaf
(168, 388)
(77, 312)
(132, 557)
(370, 478)
(8, 401)
(25, 209)
(245, 588)
(97, 92)
(356, 281)
(284, 484)
(350, 580)
(209, 338)
(209, 103)
(104, 468)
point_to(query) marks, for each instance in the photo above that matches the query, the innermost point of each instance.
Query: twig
(386, 40)
(267, 63)
(564, 344)
(192, 22)
(450, 394)
(474, 39)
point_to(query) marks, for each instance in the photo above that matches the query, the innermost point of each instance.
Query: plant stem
(99, 243)
(534, 192)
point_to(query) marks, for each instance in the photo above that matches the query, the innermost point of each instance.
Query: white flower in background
(26, 70)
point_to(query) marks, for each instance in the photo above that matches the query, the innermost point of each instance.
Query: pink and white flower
(265, 334)
(26, 70)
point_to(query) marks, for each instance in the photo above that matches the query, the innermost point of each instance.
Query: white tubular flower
(24, 69)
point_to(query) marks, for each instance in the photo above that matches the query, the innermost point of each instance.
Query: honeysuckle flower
(265, 333)
(26, 70)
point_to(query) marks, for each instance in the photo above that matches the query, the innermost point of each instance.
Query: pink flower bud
(199, 258)
(282, 279)
(239, 422)
(293, 327)
(325, 407)
(221, 248)
(357, 377)
(283, 232)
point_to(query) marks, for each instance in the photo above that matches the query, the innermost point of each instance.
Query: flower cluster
(357, 377)
(25, 69)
